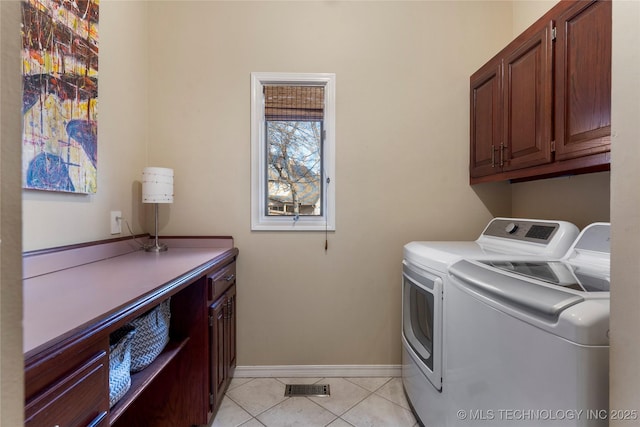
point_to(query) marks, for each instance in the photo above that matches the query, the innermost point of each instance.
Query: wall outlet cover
(115, 222)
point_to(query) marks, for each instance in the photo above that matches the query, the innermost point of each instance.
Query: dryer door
(422, 321)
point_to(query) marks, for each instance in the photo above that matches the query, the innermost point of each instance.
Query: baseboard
(317, 371)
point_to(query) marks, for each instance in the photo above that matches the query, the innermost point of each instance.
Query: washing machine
(527, 341)
(428, 313)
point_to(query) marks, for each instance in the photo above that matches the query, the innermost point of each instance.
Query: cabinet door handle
(228, 309)
(230, 277)
(502, 147)
(97, 420)
(493, 156)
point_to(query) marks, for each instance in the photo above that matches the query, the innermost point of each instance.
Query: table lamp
(157, 187)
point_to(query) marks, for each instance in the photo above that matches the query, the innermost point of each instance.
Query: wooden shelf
(140, 380)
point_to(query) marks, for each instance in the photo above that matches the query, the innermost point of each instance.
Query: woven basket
(120, 362)
(152, 335)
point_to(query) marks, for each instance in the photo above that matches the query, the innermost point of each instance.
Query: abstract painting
(60, 95)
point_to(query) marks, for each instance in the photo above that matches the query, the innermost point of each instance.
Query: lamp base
(156, 248)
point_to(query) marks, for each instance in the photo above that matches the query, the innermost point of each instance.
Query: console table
(76, 296)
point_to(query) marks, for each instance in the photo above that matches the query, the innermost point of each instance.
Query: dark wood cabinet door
(222, 337)
(527, 104)
(486, 119)
(218, 369)
(583, 80)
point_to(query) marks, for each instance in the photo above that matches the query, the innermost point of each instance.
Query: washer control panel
(523, 230)
(511, 228)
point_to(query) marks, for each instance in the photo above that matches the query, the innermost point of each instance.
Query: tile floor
(354, 402)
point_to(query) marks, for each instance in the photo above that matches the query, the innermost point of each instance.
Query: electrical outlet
(116, 222)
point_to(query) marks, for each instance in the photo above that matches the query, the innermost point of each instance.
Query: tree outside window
(294, 167)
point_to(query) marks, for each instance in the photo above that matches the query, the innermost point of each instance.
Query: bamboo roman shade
(293, 103)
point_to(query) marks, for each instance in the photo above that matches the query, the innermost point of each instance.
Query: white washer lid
(440, 255)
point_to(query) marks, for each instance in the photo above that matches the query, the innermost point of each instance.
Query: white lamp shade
(157, 185)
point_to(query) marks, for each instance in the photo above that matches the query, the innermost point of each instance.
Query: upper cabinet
(583, 80)
(486, 119)
(541, 107)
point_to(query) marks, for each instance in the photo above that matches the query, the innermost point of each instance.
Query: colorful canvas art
(60, 95)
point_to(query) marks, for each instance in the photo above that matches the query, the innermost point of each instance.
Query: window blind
(293, 103)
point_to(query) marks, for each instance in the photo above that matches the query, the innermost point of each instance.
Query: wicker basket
(120, 362)
(152, 335)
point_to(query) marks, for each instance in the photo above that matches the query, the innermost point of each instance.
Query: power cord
(141, 244)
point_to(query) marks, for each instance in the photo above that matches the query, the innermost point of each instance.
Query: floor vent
(317, 390)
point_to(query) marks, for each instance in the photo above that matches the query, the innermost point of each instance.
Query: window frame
(260, 221)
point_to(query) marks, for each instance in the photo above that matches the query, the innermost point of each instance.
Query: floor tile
(371, 384)
(235, 382)
(344, 395)
(258, 395)
(339, 422)
(394, 391)
(376, 411)
(296, 411)
(253, 423)
(230, 414)
(354, 402)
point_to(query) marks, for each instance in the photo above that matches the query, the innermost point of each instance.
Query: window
(292, 151)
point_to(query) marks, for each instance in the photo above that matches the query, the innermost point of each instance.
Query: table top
(60, 302)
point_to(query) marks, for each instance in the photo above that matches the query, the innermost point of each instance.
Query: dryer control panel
(523, 230)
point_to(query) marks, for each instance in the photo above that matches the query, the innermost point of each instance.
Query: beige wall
(55, 219)
(581, 199)
(298, 304)
(402, 156)
(11, 377)
(526, 12)
(625, 208)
